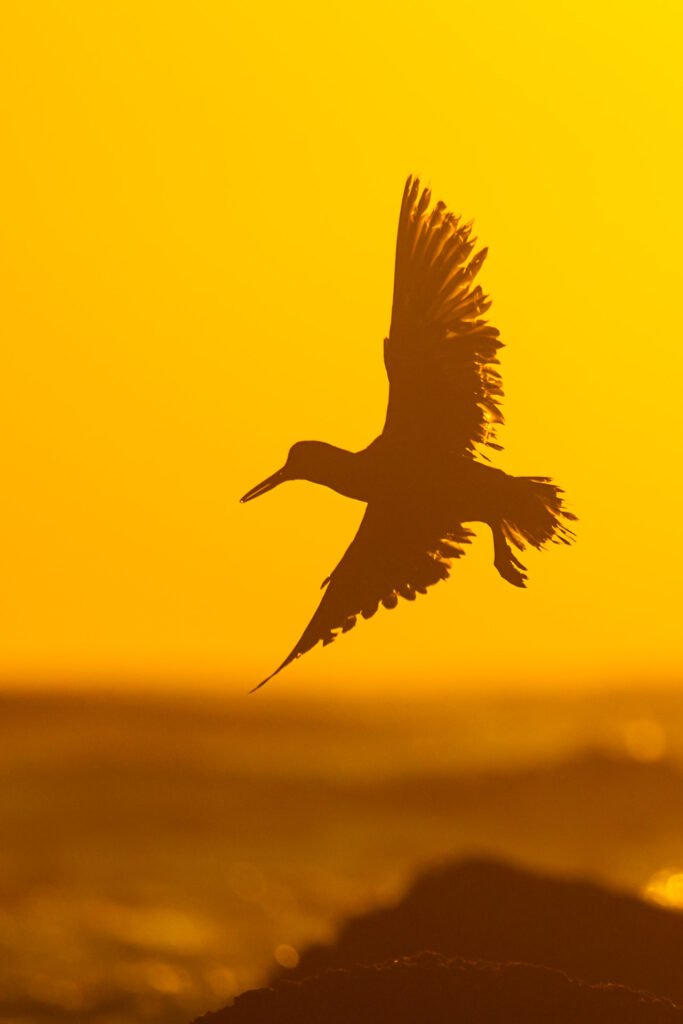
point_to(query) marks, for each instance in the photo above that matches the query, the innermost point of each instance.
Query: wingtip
(411, 190)
(266, 680)
(284, 664)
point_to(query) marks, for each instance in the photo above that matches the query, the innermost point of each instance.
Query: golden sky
(198, 214)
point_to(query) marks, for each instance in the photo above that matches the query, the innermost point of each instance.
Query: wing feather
(396, 552)
(441, 355)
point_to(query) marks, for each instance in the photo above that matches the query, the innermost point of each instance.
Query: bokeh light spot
(645, 740)
(666, 887)
(286, 956)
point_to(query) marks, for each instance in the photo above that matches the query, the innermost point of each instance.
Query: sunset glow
(199, 209)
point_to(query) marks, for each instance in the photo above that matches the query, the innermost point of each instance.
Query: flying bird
(422, 478)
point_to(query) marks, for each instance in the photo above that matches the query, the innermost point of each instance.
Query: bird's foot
(512, 570)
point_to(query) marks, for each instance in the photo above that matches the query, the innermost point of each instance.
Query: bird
(428, 473)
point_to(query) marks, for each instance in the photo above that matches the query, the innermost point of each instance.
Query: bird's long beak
(265, 485)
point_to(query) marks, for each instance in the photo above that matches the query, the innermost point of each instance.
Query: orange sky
(198, 212)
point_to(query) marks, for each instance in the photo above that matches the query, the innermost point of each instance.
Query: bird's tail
(535, 513)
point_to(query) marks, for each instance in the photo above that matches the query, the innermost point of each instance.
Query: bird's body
(420, 478)
(463, 489)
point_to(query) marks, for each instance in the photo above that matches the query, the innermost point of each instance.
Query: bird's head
(303, 458)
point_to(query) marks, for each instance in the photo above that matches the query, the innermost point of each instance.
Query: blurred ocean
(159, 855)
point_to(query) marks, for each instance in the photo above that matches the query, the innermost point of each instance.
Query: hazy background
(161, 855)
(198, 208)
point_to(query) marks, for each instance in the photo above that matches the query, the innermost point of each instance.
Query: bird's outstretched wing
(440, 354)
(398, 551)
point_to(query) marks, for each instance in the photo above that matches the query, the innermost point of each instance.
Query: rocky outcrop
(484, 910)
(430, 989)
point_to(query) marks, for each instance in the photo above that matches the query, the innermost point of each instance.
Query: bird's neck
(348, 473)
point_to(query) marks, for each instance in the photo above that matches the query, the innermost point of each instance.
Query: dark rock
(429, 989)
(493, 912)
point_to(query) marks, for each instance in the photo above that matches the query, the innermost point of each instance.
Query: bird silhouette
(421, 478)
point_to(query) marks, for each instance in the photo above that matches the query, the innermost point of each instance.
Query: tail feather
(535, 513)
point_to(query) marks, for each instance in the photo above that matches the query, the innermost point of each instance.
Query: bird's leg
(509, 567)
